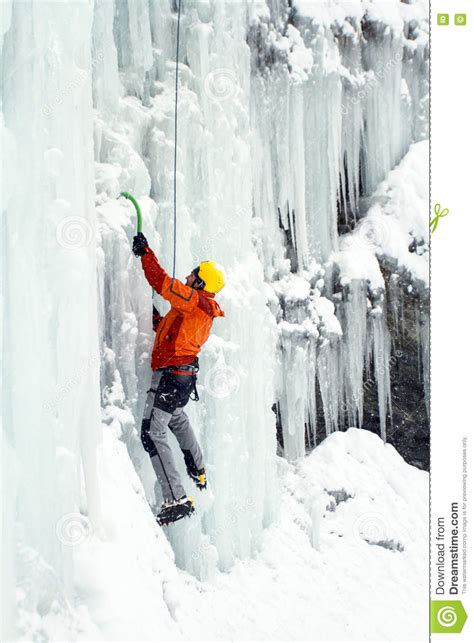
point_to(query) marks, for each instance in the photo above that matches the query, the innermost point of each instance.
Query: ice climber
(180, 335)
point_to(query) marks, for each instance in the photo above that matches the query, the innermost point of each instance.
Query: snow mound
(345, 560)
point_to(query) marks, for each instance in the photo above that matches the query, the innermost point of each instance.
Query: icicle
(311, 410)
(293, 404)
(330, 383)
(353, 315)
(424, 335)
(381, 364)
(395, 296)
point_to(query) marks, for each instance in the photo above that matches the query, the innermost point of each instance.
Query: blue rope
(176, 162)
(176, 141)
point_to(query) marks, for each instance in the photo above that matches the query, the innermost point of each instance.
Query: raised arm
(180, 296)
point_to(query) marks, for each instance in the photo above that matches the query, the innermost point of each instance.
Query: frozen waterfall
(298, 128)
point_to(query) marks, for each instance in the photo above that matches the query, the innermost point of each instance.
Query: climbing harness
(176, 387)
(186, 371)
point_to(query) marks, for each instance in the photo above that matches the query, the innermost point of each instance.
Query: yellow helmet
(212, 275)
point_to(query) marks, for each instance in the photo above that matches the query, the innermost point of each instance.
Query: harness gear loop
(190, 370)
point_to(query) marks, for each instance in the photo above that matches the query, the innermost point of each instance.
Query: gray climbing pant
(164, 408)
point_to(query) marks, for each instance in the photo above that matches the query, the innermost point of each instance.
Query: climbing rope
(175, 217)
(176, 139)
(131, 198)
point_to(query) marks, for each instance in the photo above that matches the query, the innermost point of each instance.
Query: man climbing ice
(180, 335)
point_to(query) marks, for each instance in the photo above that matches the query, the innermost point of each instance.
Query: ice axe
(156, 315)
(131, 198)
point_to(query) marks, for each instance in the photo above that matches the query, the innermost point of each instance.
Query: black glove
(139, 244)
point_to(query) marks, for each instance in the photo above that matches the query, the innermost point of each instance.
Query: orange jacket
(185, 328)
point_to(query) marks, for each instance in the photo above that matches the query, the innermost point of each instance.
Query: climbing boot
(174, 510)
(199, 478)
(197, 475)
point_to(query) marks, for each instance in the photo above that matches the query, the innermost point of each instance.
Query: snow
(403, 216)
(300, 58)
(326, 311)
(397, 217)
(265, 145)
(391, 13)
(351, 530)
(356, 262)
(292, 287)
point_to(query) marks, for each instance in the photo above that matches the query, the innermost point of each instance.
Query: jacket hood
(216, 309)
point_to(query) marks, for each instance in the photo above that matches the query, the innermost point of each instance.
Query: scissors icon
(438, 215)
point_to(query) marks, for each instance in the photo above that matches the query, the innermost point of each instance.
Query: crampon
(174, 510)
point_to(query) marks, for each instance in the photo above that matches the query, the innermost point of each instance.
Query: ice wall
(288, 121)
(134, 150)
(51, 356)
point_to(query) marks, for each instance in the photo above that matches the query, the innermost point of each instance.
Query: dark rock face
(407, 425)
(408, 322)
